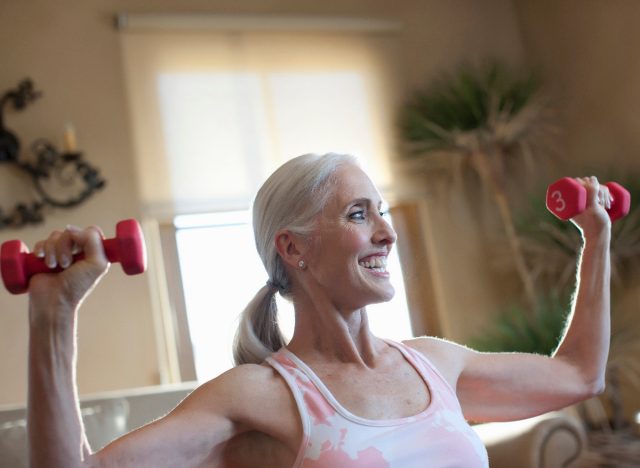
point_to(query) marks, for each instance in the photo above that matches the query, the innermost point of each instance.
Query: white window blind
(215, 112)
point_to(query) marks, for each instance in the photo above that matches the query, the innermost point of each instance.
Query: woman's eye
(357, 215)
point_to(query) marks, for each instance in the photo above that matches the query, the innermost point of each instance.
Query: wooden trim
(184, 347)
(416, 269)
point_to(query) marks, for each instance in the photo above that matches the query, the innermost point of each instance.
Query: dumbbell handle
(35, 265)
(18, 265)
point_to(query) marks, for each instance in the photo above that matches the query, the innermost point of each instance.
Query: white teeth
(375, 263)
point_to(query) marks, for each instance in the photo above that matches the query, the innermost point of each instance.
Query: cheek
(353, 239)
(340, 245)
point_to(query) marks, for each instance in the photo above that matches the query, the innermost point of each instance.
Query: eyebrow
(365, 201)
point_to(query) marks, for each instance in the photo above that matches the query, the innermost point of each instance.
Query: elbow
(593, 388)
(598, 387)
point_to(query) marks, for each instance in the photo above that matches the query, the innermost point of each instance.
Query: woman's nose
(384, 233)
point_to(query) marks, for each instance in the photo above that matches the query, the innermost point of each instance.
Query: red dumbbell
(567, 198)
(18, 265)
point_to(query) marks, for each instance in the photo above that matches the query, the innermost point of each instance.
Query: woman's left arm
(509, 386)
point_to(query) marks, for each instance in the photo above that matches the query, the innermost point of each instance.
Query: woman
(336, 396)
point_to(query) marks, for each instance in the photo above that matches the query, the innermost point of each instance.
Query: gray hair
(291, 198)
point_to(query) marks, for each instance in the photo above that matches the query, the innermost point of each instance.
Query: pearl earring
(301, 264)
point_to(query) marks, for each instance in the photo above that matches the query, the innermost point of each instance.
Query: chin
(370, 298)
(383, 296)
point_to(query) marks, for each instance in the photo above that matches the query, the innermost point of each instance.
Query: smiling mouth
(376, 263)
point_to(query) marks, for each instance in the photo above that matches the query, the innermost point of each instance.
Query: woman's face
(348, 251)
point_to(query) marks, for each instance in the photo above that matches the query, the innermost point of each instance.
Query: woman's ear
(291, 247)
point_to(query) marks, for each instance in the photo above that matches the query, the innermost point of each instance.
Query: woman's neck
(323, 333)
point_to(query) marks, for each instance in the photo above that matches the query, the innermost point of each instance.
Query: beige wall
(71, 50)
(585, 50)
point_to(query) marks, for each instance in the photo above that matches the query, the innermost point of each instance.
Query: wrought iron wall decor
(61, 179)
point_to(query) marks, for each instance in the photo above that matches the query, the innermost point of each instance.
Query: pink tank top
(438, 437)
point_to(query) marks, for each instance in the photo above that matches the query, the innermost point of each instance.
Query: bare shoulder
(434, 346)
(253, 396)
(448, 357)
(244, 380)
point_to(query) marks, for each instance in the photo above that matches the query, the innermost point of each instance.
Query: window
(214, 112)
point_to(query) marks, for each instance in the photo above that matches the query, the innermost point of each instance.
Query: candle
(70, 145)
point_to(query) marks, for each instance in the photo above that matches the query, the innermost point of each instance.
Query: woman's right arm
(188, 436)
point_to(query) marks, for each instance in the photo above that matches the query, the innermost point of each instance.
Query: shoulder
(241, 387)
(435, 347)
(246, 376)
(448, 357)
(253, 396)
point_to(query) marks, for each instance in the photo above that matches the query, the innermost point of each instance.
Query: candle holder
(60, 179)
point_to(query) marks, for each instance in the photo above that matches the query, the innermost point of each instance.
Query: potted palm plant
(483, 118)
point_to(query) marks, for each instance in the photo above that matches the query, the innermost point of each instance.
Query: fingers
(60, 247)
(592, 186)
(596, 194)
(606, 197)
(49, 249)
(90, 241)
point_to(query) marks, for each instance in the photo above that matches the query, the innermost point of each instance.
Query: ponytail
(258, 334)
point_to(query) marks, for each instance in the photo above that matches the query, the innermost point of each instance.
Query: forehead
(353, 183)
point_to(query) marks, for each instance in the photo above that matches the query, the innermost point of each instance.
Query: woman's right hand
(52, 294)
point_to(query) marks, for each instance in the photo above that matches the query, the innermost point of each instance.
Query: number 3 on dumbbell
(561, 205)
(567, 198)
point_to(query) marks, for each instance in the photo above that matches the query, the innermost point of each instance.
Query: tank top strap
(428, 371)
(291, 375)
